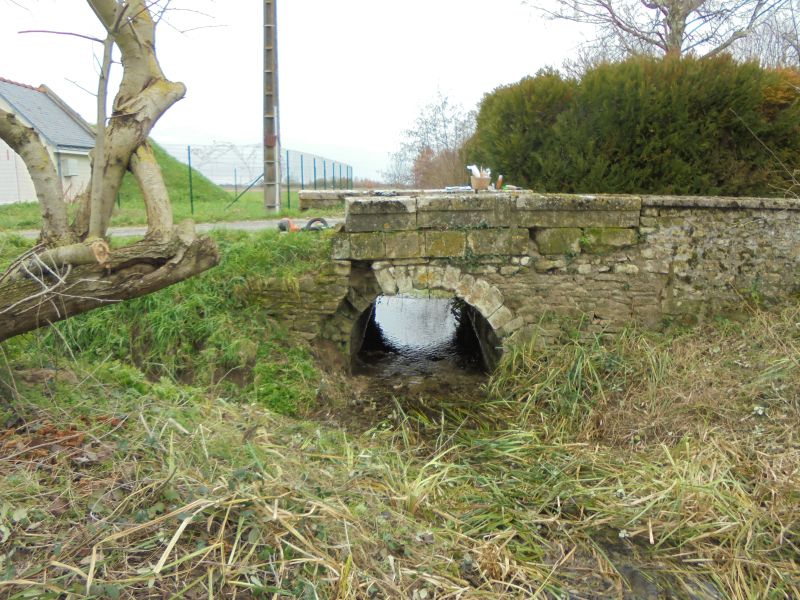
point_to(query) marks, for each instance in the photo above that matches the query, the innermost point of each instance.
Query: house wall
(74, 185)
(15, 181)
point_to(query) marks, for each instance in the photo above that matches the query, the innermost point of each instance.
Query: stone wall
(539, 264)
(531, 262)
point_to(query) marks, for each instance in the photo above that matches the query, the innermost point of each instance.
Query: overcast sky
(354, 73)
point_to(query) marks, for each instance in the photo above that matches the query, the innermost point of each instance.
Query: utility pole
(272, 150)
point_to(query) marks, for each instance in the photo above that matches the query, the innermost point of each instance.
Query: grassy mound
(659, 463)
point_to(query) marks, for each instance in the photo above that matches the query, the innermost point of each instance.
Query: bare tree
(663, 27)
(72, 269)
(775, 42)
(431, 155)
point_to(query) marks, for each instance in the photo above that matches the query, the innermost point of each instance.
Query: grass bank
(212, 204)
(658, 463)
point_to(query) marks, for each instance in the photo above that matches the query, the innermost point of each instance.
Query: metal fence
(238, 166)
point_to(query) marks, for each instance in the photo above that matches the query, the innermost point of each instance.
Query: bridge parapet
(431, 225)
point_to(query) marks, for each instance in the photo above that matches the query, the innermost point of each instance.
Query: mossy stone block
(443, 244)
(403, 244)
(599, 240)
(366, 246)
(498, 242)
(561, 240)
(341, 246)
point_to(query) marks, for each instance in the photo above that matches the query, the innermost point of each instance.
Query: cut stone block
(365, 246)
(355, 223)
(380, 206)
(562, 240)
(341, 246)
(501, 242)
(443, 244)
(404, 244)
(607, 239)
(501, 318)
(578, 203)
(574, 218)
(456, 219)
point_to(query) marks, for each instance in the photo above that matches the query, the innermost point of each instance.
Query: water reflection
(418, 337)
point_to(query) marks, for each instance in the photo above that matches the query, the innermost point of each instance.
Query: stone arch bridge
(539, 265)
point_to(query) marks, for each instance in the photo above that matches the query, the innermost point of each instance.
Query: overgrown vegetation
(686, 126)
(212, 329)
(656, 460)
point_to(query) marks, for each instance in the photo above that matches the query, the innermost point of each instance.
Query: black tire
(316, 224)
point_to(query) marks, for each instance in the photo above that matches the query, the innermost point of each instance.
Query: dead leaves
(47, 442)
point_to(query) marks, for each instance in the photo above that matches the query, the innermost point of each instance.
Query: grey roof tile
(54, 123)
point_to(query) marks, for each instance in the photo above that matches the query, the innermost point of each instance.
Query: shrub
(668, 126)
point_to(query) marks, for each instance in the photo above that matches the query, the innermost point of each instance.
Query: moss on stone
(561, 240)
(445, 243)
(600, 240)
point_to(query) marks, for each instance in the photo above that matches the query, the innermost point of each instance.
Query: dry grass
(667, 461)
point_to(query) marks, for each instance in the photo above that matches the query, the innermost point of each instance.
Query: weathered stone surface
(456, 211)
(626, 269)
(532, 202)
(387, 282)
(404, 244)
(381, 222)
(582, 218)
(341, 246)
(720, 202)
(562, 240)
(365, 246)
(451, 278)
(544, 265)
(457, 202)
(381, 214)
(502, 317)
(596, 240)
(482, 242)
(445, 243)
(381, 206)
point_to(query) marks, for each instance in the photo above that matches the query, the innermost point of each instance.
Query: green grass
(666, 457)
(212, 204)
(212, 329)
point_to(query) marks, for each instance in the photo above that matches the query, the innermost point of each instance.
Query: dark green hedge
(685, 126)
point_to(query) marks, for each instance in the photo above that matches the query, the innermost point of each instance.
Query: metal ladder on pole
(272, 151)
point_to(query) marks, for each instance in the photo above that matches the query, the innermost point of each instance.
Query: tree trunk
(45, 296)
(72, 271)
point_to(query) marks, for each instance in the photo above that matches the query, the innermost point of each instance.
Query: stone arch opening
(483, 304)
(422, 335)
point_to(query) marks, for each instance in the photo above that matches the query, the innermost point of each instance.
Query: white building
(68, 138)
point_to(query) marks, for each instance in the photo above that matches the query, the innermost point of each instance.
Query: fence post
(333, 173)
(315, 172)
(191, 187)
(325, 173)
(340, 174)
(302, 172)
(288, 182)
